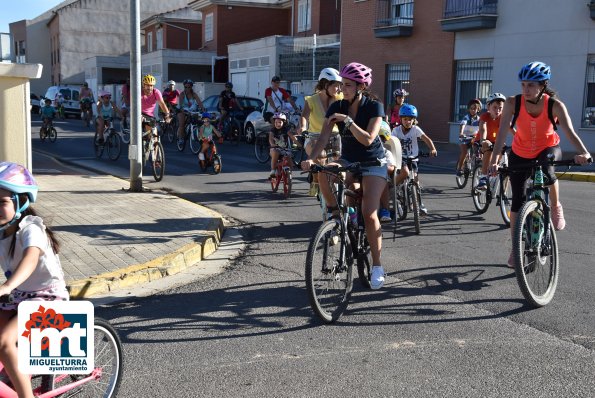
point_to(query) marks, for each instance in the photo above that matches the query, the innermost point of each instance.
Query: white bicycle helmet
(330, 74)
(495, 96)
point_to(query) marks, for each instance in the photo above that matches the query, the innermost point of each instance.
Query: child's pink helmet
(357, 72)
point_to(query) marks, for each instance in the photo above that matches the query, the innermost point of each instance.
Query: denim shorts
(378, 171)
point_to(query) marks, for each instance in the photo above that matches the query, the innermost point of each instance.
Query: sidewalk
(111, 238)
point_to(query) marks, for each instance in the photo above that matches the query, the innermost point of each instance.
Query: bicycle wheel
(287, 182)
(481, 197)
(114, 146)
(126, 136)
(364, 262)
(234, 132)
(329, 280)
(170, 130)
(181, 144)
(535, 253)
(462, 179)
(505, 199)
(402, 199)
(415, 202)
(158, 161)
(98, 148)
(41, 134)
(108, 367)
(261, 148)
(195, 143)
(217, 164)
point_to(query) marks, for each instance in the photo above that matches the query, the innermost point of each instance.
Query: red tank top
(533, 134)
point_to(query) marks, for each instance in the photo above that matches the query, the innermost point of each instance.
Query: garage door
(258, 81)
(240, 86)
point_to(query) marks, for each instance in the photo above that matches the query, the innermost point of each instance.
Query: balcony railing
(394, 18)
(592, 8)
(460, 15)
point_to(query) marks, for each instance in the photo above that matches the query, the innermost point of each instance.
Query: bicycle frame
(283, 165)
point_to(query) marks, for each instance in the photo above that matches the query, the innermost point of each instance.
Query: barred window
(397, 76)
(209, 27)
(474, 80)
(589, 113)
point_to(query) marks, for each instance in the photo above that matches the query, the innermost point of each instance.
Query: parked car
(71, 99)
(35, 103)
(255, 123)
(250, 105)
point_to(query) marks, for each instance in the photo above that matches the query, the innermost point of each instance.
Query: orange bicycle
(283, 172)
(210, 158)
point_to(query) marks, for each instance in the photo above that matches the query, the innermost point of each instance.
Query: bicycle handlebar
(352, 168)
(547, 162)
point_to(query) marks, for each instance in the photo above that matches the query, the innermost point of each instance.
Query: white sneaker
(377, 278)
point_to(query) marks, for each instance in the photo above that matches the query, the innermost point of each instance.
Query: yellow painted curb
(585, 177)
(160, 267)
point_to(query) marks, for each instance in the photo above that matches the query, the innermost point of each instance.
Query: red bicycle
(210, 157)
(283, 172)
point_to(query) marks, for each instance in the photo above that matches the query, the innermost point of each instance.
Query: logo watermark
(56, 337)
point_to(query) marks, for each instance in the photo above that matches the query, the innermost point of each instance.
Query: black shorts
(517, 179)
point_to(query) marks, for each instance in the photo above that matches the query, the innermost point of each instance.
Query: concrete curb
(576, 176)
(169, 264)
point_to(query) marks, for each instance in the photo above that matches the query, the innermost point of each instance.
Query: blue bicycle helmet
(206, 115)
(535, 72)
(16, 179)
(408, 110)
(229, 84)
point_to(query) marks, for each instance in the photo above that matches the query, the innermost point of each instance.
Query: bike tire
(328, 283)
(53, 135)
(114, 145)
(195, 143)
(182, 145)
(158, 161)
(364, 262)
(234, 132)
(41, 135)
(287, 183)
(126, 136)
(403, 197)
(505, 199)
(108, 362)
(536, 275)
(415, 201)
(462, 179)
(217, 163)
(98, 148)
(261, 148)
(481, 197)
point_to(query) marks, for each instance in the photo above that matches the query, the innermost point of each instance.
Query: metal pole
(135, 147)
(314, 58)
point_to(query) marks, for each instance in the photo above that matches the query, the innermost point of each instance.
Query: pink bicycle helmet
(357, 72)
(280, 115)
(18, 180)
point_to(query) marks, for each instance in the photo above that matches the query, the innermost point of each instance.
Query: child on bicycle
(28, 257)
(391, 167)
(278, 140)
(408, 132)
(205, 134)
(489, 123)
(48, 113)
(105, 111)
(469, 126)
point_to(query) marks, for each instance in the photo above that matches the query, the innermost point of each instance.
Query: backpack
(517, 108)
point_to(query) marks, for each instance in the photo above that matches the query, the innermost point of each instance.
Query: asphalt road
(450, 321)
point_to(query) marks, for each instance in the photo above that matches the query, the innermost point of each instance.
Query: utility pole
(135, 147)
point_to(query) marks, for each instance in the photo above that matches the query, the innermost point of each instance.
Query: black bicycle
(472, 159)
(534, 243)
(336, 246)
(409, 194)
(231, 127)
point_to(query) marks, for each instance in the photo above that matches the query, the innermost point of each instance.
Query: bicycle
(408, 195)
(153, 149)
(472, 158)
(231, 127)
(534, 243)
(192, 124)
(283, 174)
(124, 131)
(86, 111)
(337, 244)
(498, 186)
(111, 139)
(104, 379)
(170, 129)
(212, 158)
(48, 130)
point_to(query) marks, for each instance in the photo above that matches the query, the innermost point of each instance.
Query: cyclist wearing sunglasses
(105, 111)
(189, 101)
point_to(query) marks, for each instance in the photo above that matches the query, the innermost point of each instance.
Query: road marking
(46, 171)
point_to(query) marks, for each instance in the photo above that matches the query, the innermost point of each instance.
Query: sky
(13, 11)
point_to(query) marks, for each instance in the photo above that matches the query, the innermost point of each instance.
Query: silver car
(255, 123)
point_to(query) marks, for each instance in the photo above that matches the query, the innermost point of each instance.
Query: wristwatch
(348, 122)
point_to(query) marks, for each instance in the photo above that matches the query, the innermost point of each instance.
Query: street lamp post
(135, 148)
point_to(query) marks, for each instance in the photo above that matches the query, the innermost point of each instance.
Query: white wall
(559, 33)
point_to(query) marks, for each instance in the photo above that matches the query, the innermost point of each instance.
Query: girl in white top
(29, 260)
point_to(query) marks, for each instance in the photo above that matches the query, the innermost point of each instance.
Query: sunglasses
(187, 86)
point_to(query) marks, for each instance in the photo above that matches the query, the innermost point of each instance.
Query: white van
(71, 98)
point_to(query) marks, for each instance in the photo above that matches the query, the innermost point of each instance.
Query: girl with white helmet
(535, 137)
(358, 117)
(105, 111)
(489, 123)
(278, 138)
(29, 260)
(327, 91)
